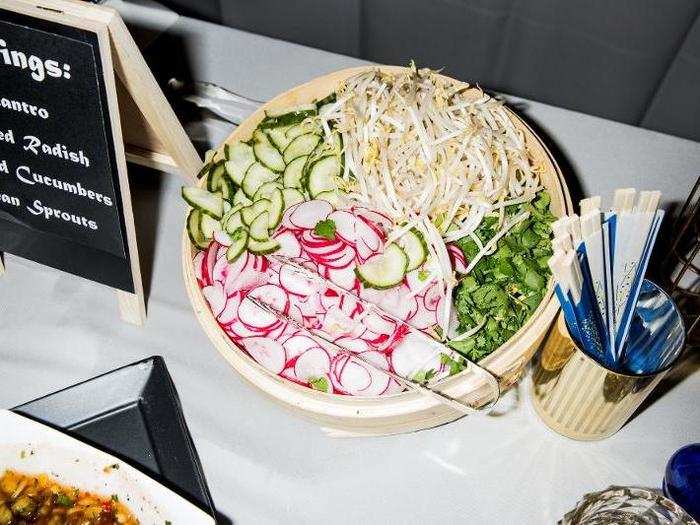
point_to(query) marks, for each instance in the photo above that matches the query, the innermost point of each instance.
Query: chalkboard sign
(77, 98)
(60, 203)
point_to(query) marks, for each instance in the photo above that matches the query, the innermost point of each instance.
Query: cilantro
(320, 383)
(63, 500)
(504, 288)
(115, 497)
(325, 229)
(423, 376)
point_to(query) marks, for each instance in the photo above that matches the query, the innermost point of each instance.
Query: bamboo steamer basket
(408, 411)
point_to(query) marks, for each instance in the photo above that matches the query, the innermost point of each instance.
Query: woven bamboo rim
(407, 411)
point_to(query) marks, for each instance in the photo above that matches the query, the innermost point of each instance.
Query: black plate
(133, 413)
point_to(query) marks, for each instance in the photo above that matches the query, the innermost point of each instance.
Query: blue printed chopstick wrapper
(599, 262)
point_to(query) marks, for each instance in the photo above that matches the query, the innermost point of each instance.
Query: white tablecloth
(265, 465)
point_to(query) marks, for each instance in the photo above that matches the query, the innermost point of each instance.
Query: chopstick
(599, 264)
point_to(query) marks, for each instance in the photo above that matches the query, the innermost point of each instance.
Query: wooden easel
(144, 126)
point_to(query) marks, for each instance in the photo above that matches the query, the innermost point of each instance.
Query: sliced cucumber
(263, 247)
(330, 196)
(385, 270)
(258, 228)
(204, 170)
(240, 157)
(241, 198)
(266, 190)
(330, 99)
(292, 196)
(267, 154)
(301, 145)
(209, 156)
(256, 176)
(293, 172)
(288, 117)
(305, 127)
(276, 209)
(278, 136)
(249, 213)
(209, 203)
(239, 242)
(194, 229)
(322, 174)
(233, 222)
(413, 243)
(209, 226)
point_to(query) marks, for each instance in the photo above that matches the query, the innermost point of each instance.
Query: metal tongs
(426, 389)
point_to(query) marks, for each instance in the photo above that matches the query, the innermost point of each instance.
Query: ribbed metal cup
(579, 398)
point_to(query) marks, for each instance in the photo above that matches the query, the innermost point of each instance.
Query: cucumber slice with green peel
(330, 196)
(241, 198)
(263, 247)
(266, 190)
(249, 213)
(216, 173)
(303, 128)
(194, 229)
(209, 156)
(278, 137)
(329, 99)
(384, 270)
(301, 145)
(258, 228)
(322, 174)
(204, 170)
(239, 243)
(292, 196)
(413, 243)
(276, 209)
(233, 222)
(256, 176)
(227, 190)
(288, 117)
(240, 157)
(266, 153)
(229, 210)
(209, 226)
(208, 203)
(293, 172)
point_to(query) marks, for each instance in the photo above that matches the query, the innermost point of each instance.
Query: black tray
(133, 413)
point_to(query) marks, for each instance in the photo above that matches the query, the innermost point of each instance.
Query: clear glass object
(627, 506)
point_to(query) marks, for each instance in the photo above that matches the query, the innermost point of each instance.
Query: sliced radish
(271, 295)
(313, 363)
(307, 214)
(253, 316)
(423, 318)
(394, 387)
(298, 344)
(289, 245)
(379, 381)
(267, 352)
(344, 225)
(342, 260)
(378, 324)
(197, 267)
(412, 355)
(296, 283)
(373, 216)
(432, 296)
(353, 344)
(220, 270)
(368, 235)
(230, 311)
(343, 277)
(354, 376)
(459, 261)
(336, 324)
(216, 297)
(211, 259)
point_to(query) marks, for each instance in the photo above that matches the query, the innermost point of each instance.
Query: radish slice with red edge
(307, 214)
(289, 245)
(267, 352)
(216, 297)
(313, 363)
(271, 295)
(253, 316)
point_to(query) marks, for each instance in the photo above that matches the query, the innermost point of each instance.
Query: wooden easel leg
(132, 308)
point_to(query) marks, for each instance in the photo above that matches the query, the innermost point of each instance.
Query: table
(265, 465)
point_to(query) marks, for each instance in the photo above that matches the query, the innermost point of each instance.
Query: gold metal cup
(580, 398)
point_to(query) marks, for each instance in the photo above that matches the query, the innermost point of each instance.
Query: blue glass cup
(682, 479)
